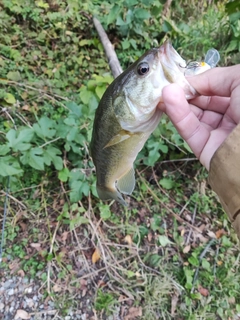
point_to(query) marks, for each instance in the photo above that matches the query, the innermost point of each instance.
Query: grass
(171, 254)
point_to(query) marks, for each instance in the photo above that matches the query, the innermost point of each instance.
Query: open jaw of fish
(126, 116)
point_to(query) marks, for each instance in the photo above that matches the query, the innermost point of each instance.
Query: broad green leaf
(4, 149)
(133, 43)
(14, 75)
(141, 14)
(75, 108)
(105, 212)
(120, 21)
(72, 133)
(156, 10)
(9, 166)
(79, 186)
(164, 241)
(155, 222)
(33, 158)
(125, 44)
(106, 78)
(63, 174)
(92, 105)
(100, 91)
(167, 183)
(58, 163)
(81, 139)
(85, 95)
(45, 128)
(18, 139)
(233, 45)
(186, 146)
(149, 2)
(113, 14)
(42, 4)
(206, 265)
(9, 98)
(70, 121)
(77, 221)
(194, 261)
(85, 42)
(153, 260)
(50, 155)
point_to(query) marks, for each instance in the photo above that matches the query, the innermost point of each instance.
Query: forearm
(224, 176)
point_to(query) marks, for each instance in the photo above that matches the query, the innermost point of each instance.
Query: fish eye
(143, 68)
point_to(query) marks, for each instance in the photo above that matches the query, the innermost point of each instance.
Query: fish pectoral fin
(126, 183)
(121, 136)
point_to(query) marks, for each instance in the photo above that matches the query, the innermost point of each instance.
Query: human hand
(206, 121)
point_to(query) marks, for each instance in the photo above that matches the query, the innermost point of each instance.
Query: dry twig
(113, 61)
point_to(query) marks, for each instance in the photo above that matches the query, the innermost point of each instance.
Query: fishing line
(4, 218)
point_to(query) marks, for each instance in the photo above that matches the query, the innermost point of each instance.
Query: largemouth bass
(126, 116)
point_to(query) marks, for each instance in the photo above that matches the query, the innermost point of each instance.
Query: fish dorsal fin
(126, 183)
(121, 136)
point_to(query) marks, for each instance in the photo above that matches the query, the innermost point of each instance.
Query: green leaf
(141, 14)
(9, 98)
(186, 146)
(4, 149)
(63, 174)
(125, 44)
(85, 42)
(45, 128)
(163, 148)
(233, 45)
(75, 108)
(113, 14)
(194, 261)
(105, 212)
(9, 166)
(148, 2)
(50, 155)
(100, 91)
(72, 134)
(85, 95)
(17, 139)
(33, 158)
(79, 185)
(120, 21)
(77, 221)
(155, 222)
(189, 277)
(164, 241)
(133, 43)
(14, 75)
(70, 121)
(131, 3)
(153, 260)
(167, 183)
(206, 265)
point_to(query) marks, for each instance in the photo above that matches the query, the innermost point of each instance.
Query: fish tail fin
(106, 193)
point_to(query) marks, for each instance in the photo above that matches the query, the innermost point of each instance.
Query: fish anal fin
(121, 136)
(126, 183)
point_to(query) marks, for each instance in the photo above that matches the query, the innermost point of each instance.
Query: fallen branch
(113, 61)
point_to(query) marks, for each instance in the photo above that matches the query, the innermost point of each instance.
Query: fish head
(139, 88)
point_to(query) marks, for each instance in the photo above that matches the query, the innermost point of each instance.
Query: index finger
(217, 81)
(212, 103)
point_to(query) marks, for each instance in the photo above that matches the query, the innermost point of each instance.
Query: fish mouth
(174, 67)
(168, 55)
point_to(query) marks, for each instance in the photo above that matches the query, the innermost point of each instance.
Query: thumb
(179, 111)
